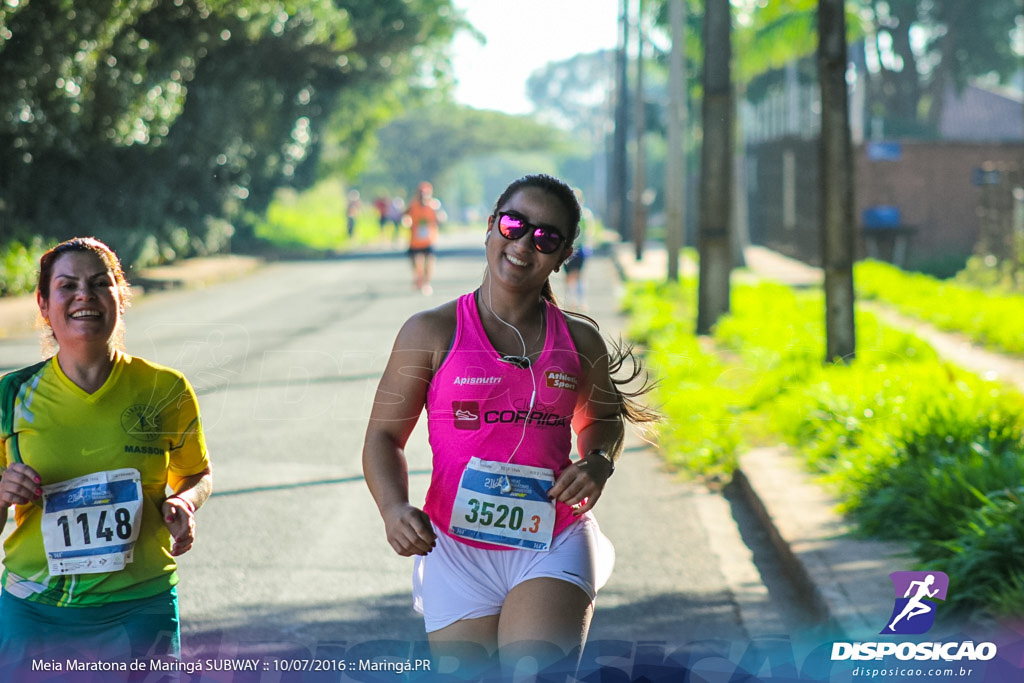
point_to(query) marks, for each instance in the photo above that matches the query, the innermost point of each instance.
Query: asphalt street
(291, 555)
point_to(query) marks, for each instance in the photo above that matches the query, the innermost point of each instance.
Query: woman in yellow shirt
(91, 439)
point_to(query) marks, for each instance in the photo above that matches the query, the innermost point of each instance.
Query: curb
(194, 272)
(843, 581)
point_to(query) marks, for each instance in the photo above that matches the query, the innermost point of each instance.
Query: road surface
(291, 557)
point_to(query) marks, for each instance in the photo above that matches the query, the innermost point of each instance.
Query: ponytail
(632, 409)
(548, 294)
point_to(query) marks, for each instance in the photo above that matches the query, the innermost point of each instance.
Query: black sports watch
(605, 455)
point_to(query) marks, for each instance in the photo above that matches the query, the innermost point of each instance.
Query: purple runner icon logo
(914, 608)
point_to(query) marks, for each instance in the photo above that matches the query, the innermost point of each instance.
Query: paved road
(291, 554)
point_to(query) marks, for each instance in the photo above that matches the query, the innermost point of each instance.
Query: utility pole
(713, 241)
(640, 159)
(675, 170)
(618, 177)
(836, 183)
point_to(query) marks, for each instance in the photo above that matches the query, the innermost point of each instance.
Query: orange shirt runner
(424, 225)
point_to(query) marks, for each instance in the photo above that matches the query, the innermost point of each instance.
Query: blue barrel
(881, 217)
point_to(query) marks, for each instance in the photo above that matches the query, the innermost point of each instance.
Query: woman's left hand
(180, 520)
(580, 485)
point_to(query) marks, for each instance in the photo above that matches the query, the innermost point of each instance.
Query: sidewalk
(18, 313)
(845, 578)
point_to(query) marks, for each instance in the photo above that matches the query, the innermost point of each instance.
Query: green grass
(315, 220)
(19, 266)
(696, 391)
(916, 449)
(986, 557)
(991, 317)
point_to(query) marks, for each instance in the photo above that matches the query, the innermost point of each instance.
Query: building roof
(979, 113)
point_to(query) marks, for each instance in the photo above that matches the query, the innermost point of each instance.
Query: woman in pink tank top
(506, 548)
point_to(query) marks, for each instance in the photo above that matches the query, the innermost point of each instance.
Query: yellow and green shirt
(144, 417)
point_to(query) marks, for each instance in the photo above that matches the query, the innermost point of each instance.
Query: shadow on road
(302, 484)
(303, 631)
(674, 618)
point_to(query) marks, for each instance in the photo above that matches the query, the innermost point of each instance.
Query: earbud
(521, 362)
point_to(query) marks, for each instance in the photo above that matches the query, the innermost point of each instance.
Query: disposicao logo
(914, 609)
(913, 613)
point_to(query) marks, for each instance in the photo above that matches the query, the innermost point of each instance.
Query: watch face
(605, 455)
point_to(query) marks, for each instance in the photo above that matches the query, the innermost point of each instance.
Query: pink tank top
(477, 405)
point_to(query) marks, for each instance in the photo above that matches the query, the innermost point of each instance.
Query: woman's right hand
(409, 530)
(20, 485)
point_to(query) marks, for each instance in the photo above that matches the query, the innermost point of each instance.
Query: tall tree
(917, 49)
(164, 123)
(713, 240)
(425, 142)
(675, 172)
(615, 214)
(836, 182)
(573, 93)
(640, 153)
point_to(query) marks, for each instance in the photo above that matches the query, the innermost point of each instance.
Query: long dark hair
(622, 352)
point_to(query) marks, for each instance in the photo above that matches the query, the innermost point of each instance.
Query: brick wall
(930, 183)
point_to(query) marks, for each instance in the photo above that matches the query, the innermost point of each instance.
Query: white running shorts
(458, 581)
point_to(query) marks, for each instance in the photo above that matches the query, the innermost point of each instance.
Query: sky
(523, 36)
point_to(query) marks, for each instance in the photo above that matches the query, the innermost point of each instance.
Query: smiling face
(519, 261)
(83, 305)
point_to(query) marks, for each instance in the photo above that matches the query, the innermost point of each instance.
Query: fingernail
(37, 480)
(39, 492)
(170, 518)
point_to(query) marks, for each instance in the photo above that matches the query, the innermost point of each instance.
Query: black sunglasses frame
(527, 226)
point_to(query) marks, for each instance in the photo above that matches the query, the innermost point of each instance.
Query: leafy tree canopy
(426, 142)
(573, 93)
(913, 49)
(164, 118)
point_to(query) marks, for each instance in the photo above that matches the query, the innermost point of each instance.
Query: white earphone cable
(529, 368)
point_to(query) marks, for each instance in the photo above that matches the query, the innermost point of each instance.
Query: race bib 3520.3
(505, 504)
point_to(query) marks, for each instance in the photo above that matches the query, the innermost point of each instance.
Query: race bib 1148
(90, 523)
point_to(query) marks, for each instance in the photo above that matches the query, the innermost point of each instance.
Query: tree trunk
(640, 159)
(836, 183)
(716, 168)
(618, 177)
(675, 166)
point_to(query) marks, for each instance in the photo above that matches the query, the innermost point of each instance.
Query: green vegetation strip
(986, 315)
(916, 449)
(19, 263)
